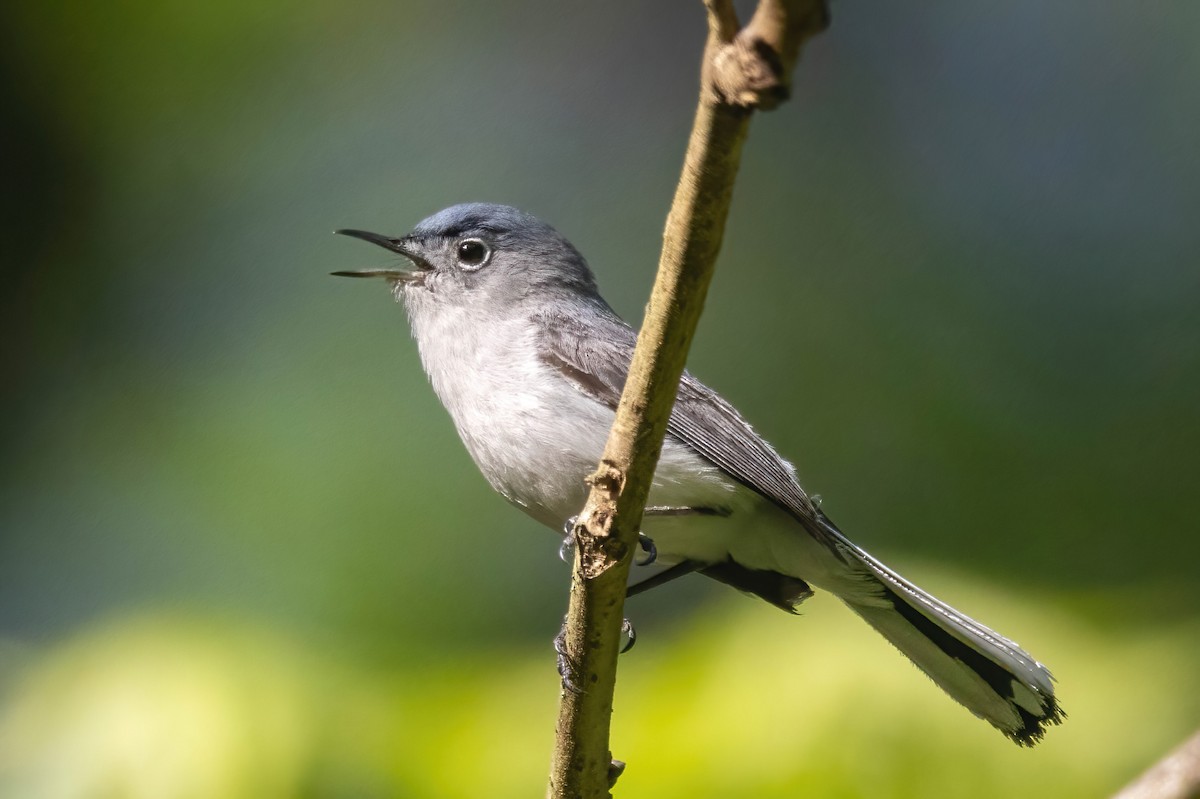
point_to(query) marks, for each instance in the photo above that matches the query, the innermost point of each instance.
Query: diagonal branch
(1176, 776)
(742, 70)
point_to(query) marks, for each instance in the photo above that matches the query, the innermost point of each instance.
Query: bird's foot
(647, 545)
(568, 670)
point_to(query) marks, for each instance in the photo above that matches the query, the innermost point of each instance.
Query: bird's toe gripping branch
(647, 545)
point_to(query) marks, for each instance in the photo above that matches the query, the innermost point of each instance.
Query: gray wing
(596, 361)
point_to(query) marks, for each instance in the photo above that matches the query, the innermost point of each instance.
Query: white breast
(533, 435)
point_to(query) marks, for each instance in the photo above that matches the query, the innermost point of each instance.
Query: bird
(530, 361)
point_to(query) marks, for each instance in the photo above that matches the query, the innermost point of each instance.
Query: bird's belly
(536, 441)
(540, 463)
(538, 448)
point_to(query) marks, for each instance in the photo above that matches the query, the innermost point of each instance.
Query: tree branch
(742, 70)
(1176, 776)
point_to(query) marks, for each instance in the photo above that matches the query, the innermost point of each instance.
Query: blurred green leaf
(739, 701)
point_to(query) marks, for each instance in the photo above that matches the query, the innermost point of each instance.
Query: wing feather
(596, 361)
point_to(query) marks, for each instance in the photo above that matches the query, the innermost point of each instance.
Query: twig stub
(753, 70)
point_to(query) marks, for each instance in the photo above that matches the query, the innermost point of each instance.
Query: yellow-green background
(242, 553)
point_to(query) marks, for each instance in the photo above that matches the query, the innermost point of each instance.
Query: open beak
(392, 272)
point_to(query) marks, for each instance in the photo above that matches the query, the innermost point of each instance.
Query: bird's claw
(567, 669)
(647, 545)
(630, 633)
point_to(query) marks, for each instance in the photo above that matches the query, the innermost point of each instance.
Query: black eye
(473, 253)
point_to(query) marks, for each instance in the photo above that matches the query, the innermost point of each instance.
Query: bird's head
(476, 252)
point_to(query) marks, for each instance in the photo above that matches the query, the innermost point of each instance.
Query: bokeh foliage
(242, 552)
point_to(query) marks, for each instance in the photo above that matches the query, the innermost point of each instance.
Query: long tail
(985, 672)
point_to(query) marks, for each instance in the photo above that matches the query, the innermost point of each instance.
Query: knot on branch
(752, 69)
(600, 550)
(748, 73)
(607, 478)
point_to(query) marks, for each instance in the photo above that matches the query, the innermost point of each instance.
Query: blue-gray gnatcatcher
(530, 361)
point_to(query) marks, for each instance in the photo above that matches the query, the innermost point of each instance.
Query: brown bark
(742, 70)
(1176, 776)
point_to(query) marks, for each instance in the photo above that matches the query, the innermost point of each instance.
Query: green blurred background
(243, 554)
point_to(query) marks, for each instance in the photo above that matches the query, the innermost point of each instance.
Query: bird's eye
(473, 253)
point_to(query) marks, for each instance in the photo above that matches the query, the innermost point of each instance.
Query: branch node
(748, 74)
(753, 69)
(608, 478)
(599, 549)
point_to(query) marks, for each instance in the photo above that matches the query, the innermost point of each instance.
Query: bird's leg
(567, 669)
(665, 576)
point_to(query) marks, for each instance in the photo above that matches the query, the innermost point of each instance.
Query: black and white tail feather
(985, 672)
(979, 668)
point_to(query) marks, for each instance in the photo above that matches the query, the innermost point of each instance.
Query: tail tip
(1033, 726)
